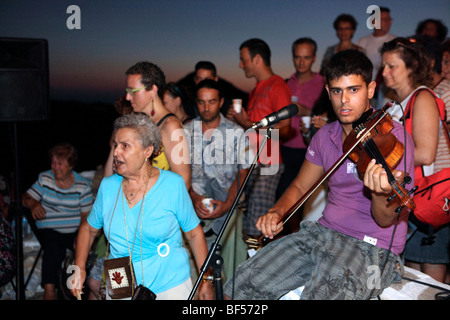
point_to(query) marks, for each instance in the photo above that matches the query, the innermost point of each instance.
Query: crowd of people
(177, 146)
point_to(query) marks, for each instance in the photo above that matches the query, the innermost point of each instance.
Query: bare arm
(285, 128)
(232, 192)
(308, 175)
(302, 110)
(425, 128)
(37, 211)
(109, 162)
(86, 236)
(83, 217)
(221, 207)
(176, 149)
(201, 211)
(197, 242)
(241, 118)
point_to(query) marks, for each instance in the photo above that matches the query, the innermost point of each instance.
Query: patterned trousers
(329, 264)
(261, 197)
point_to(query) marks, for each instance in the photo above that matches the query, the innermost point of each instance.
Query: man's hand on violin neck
(376, 179)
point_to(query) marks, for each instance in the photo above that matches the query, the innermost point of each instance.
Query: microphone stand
(217, 261)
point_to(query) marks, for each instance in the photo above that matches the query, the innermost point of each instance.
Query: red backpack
(432, 197)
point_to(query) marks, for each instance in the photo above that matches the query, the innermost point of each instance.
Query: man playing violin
(352, 251)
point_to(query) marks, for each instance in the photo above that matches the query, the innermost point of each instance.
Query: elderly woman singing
(141, 210)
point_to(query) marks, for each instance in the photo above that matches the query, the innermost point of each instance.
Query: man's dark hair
(151, 75)
(440, 27)
(207, 65)
(303, 41)
(209, 84)
(257, 46)
(349, 62)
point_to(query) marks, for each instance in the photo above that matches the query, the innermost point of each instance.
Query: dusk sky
(89, 63)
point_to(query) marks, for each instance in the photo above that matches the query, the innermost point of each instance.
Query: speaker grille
(23, 79)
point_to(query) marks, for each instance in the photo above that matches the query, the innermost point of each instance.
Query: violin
(371, 138)
(380, 144)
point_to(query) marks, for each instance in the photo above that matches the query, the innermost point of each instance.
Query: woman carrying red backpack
(407, 70)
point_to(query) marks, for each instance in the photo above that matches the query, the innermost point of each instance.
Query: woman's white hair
(149, 133)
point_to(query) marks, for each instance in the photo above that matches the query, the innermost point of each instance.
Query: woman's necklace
(133, 195)
(139, 224)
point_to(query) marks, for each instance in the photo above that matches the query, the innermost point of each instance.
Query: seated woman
(141, 209)
(59, 200)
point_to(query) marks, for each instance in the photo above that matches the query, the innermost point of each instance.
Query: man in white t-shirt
(372, 44)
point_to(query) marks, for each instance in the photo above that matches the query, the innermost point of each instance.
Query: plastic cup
(237, 105)
(208, 205)
(307, 121)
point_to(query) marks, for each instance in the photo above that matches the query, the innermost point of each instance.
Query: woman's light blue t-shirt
(167, 208)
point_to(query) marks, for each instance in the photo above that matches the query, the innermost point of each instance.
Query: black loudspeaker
(24, 79)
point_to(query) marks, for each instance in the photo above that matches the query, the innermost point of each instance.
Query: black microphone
(275, 117)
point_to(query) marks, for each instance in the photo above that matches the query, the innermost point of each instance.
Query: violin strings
(375, 153)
